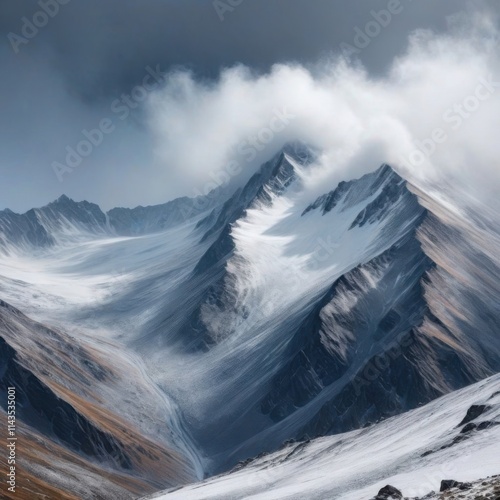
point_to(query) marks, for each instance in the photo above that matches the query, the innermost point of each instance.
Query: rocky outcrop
(475, 411)
(389, 493)
(448, 484)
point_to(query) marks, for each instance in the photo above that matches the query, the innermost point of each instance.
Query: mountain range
(155, 346)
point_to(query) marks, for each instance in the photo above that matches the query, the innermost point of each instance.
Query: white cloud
(434, 96)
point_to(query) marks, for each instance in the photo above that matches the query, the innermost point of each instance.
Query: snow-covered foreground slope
(413, 452)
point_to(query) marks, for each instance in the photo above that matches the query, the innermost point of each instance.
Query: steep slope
(455, 340)
(413, 452)
(23, 231)
(70, 396)
(372, 308)
(210, 279)
(45, 469)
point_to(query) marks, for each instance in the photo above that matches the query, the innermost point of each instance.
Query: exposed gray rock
(448, 484)
(475, 411)
(389, 493)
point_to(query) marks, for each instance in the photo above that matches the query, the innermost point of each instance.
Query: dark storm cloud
(66, 77)
(102, 47)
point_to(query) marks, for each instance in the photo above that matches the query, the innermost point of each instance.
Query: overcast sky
(75, 70)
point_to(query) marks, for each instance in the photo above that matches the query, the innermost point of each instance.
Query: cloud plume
(433, 115)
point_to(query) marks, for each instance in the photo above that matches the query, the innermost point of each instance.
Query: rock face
(22, 231)
(351, 193)
(41, 228)
(274, 177)
(380, 355)
(448, 484)
(389, 493)
(57, 383)
(332, 339)
(40, 407)
(475, 411)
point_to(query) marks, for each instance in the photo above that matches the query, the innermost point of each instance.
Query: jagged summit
(300, 152)
(63, 199)
(366, 186)
(272, 180)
